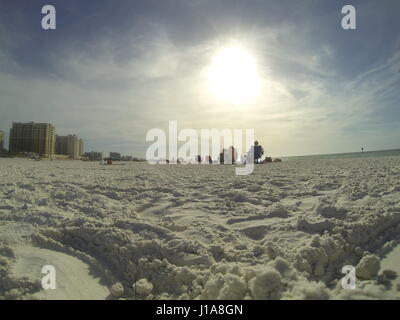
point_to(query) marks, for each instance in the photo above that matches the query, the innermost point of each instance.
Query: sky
(113, 70)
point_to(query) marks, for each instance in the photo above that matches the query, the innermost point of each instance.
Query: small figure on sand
(257, 150)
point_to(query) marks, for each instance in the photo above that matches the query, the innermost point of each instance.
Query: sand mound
(368, 267)
(73, 277)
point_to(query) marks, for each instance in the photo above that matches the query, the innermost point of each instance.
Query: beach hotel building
(1, 141)
(81, 148)
(33, 137)
(70, 146)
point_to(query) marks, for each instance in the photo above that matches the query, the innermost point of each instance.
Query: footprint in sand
(74, 280)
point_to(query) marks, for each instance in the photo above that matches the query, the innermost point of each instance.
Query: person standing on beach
(255, 152)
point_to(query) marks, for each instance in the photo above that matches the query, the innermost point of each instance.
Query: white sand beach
(200, 231)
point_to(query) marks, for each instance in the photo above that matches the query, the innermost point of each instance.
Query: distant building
(69, 145)
(2, 135)
(81, 148)
(93, 156)
(115, 156)
(127, 158)
(61, 145)
(33, 137)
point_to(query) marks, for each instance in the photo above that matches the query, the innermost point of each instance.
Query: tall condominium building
(1, 140)
(39, 138)
(69, 145)
(81, 148)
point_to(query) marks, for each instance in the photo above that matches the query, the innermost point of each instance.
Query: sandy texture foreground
(187, 232)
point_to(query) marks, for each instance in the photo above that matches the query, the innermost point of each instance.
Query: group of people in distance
(230, 155)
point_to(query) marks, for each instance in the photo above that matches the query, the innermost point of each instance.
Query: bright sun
(232, 76)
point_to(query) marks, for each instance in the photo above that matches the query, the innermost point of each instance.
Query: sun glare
(232, 76)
